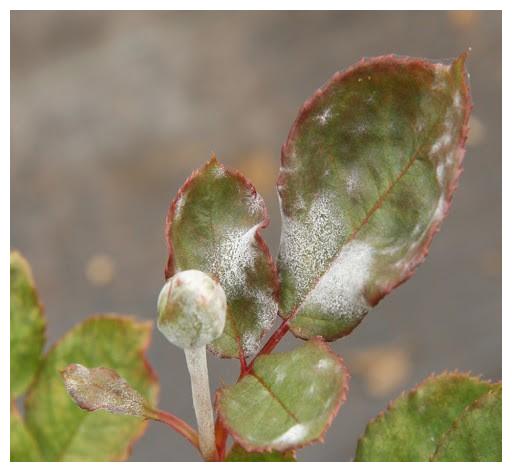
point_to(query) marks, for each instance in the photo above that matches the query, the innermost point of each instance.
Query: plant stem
(198, 369)
(175, 423)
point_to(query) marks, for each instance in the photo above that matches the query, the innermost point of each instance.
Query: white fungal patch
(443, 141)
(457, 100)
(324, 364)
(352, 181)
(218, 171)
(294, 435)
(178, 209)
(324, 117)
(441, 71)
(339, 292)
(310, 241)
(230, 259)
(255, 204)
(440, 209)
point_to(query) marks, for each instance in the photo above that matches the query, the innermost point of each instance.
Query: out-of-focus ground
(112, 111)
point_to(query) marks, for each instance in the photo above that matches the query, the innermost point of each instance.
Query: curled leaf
(101, 388)
(367, 175)
(213, 225)
(287, 400)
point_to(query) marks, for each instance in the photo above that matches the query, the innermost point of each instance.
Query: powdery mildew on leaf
(213, 225)
(287, 401)
(367, 175)
(63, 431)
(101, 388)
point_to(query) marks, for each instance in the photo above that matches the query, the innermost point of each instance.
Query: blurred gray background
(111, 111)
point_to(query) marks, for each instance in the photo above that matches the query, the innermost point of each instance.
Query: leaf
(23, 445)
(367, 175)
(101, 388)
(239, 454)
(65, 432)
(413, 425)
(213, 225)
(288, 400)
(476, 433)
(27, 326)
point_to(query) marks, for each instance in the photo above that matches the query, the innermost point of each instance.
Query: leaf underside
(27, 326)
(213, 225)
(239, 454)
(288, 400)
(63, 431)
(367, 175)
(435, 416)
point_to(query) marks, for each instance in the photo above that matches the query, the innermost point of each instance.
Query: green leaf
(27, 326)
(65, 432)
(413, 425)
(288, 400)
(367, 175)
(213, 225)
(476, 433)
(101, 388)
(23, 445)
(239, 454)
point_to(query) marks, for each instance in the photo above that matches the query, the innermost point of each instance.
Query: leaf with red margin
(28, 326)
(63, 431)
(214, 225)
(288, 400)
(367, 175)
(239, 454)
(413, 425)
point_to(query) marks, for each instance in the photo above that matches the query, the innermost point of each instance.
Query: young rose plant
(367, 174)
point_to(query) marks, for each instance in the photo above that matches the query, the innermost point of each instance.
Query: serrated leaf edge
(475, 404)
(342, 396)
(423, 249)
(153, 377)
(28, 270)
(407, 394)
(170, 268)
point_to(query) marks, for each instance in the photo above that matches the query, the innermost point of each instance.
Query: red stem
(177, 424)
(221, 436)
(269, 346)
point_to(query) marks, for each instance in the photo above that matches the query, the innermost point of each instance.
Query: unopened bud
(191, 309)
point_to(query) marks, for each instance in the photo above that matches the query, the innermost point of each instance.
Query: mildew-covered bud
(191, 309)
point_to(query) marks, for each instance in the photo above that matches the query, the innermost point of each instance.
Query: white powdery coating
(441, 73)
(102, 389)
(352, 181)
(323, 117)
(178, 209)
(192, 309)
(255, 204)
(230, 261)
(339, 292)
(294, 435)
(307, 246)
(443, 141)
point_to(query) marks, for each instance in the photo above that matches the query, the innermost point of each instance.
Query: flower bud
(191, 309)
